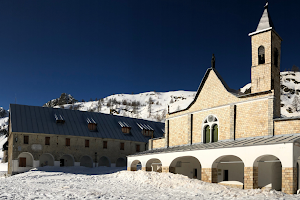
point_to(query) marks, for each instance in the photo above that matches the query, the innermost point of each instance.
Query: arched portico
(186, 165)
(269, 172)
(121, 162)
(46, 159)
(66, 161)
(229, 169)
(25, 159)
(153, 164)
(104, 161)
(86, 161)
(135, 165)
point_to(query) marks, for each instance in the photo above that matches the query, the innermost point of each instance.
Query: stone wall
(286, 127)
(250, 177)
(209, 175)
(289, 180)
(178, 131)
(158, 143)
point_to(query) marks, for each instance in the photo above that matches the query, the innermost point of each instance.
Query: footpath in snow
(117, 183)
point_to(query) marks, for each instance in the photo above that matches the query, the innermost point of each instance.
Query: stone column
(165, 169)
(189, 131)
(289, 180)
(131, 168)
(209, 175)
(232, 121)
(250, 177)
(150, 144)
(167, 133)
(148, 169)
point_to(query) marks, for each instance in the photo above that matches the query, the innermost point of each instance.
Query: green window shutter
(215, 133)
(207, 134)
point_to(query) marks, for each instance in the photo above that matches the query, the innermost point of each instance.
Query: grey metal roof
(228, 144)
(265, 21)
(34, 119)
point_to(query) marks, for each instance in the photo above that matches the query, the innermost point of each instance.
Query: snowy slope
(111, 183)
(152, 105)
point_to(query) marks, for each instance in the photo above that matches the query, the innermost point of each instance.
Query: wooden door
(22, 162)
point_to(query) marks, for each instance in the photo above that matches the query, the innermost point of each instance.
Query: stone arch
(121, 162)
(25, 159)
(46, 159)
(135, 165)
(269, 172)
(104, 161)
(67, 160)
(154, 164)
(228, 168)
(261, 55)
(185, 165)
(86, 161)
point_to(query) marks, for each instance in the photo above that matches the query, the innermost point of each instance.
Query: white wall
(235, 171)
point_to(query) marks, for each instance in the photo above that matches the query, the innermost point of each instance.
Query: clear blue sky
(92, 49)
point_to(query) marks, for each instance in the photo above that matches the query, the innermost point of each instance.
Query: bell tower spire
(266, 51)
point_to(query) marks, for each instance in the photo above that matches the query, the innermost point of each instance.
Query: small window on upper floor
(137, 148)
(104, 144)
(276, 57)
(122, 146)
(147, 130)
(261, 55)
(87, 143)
(67, 141)
(47, 140)
(125, 127)
(26, 139)
(92, 125)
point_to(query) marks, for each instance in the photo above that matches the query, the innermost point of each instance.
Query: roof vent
(59, 119)
(92, 125)
(125, 127)
(146, 130)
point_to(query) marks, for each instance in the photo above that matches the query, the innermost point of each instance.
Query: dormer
(146, 130)
(92, 125)
(125, 127)
(59, 118)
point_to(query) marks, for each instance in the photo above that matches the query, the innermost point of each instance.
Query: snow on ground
(115, 183)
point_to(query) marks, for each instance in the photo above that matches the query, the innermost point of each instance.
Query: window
(59, 119)
(47, 140)
(87, 143)
(137, 148)
(125, 127)
(147, 130)
(67, 141)
(122, 146)
(261, 55)
(22, 162)
(92, 125)
(210, 131)
(215, 133)
(104, 144)
(276, 56)
(26, 139)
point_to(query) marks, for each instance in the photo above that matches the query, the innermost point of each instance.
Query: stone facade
(287, 127)
(158, 143)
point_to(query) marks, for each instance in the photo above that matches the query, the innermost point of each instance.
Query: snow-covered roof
(35, 119)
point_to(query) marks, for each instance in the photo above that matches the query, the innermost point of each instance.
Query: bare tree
(99, 105)
(296, 103)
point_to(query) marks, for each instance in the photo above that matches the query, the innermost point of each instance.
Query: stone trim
(232, 121)
(250, 177)
(167, 134)
(289, 180)
(270, 117)
(190, 128)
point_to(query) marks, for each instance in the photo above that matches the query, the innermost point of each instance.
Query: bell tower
(266, 51)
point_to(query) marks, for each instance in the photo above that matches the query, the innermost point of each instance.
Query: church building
(232, 138)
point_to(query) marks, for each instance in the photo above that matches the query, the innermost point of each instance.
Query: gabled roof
(35, 119)
(232, 91)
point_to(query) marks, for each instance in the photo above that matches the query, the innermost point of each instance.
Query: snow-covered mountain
(149, 105)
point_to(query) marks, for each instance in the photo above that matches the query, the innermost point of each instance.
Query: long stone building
(41, 136)
(231, 138)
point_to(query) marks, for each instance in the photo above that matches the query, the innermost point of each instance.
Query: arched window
(215, 133)
(261, 55)
(207, 134)
(210, 129)
(276, 56)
